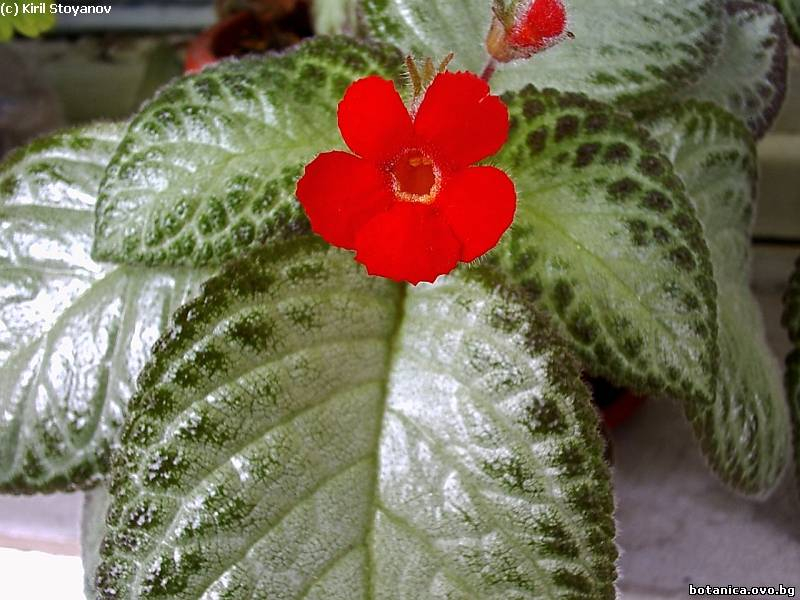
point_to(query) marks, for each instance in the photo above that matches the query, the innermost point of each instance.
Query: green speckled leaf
(749, 77)
(745, 432)
(626, 50)
(306, 431)
(791, 14)
(607, 241)
(73, 332)
(31, 25)
(791, 320)
(209, 167)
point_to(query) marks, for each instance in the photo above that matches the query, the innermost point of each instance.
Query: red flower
(408, 201)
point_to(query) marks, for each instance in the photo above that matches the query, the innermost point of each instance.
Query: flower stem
(489, 70)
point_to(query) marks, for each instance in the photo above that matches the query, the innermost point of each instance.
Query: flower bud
(525, 27)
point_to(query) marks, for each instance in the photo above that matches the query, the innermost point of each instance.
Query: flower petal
(461, 120)
(340, 193)
(410, 243)
(373, 120)
(479, 205)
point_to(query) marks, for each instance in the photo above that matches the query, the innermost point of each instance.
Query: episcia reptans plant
(263, 419)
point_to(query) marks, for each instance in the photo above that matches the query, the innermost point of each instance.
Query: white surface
(678, 525)
(39, 576)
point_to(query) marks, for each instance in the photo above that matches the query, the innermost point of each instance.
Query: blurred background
(677, 525)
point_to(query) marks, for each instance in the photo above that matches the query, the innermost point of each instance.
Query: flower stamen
(416, 177)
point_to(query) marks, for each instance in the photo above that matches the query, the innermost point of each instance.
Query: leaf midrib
(286, 419)
(391, 356)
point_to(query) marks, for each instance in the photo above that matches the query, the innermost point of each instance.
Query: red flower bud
(532, 27)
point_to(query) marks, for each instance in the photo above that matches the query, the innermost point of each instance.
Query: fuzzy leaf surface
(306, 431)
(607, 241)
(745, 432)
(209, 167)
(73, 332)
(749, 76)
(624, 50)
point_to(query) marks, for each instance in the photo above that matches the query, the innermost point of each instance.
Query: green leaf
(625, 50)
(791, 14)
(306, 431)
(608, 243)
(791, 320)
(749, 77)
(745, 432)
(31, 25)
(73, 332)
(209, 166)
(93, 520)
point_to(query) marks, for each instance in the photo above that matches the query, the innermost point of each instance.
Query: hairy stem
(489, 70)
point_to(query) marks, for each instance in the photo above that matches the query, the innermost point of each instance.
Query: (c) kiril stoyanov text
(16, 9)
